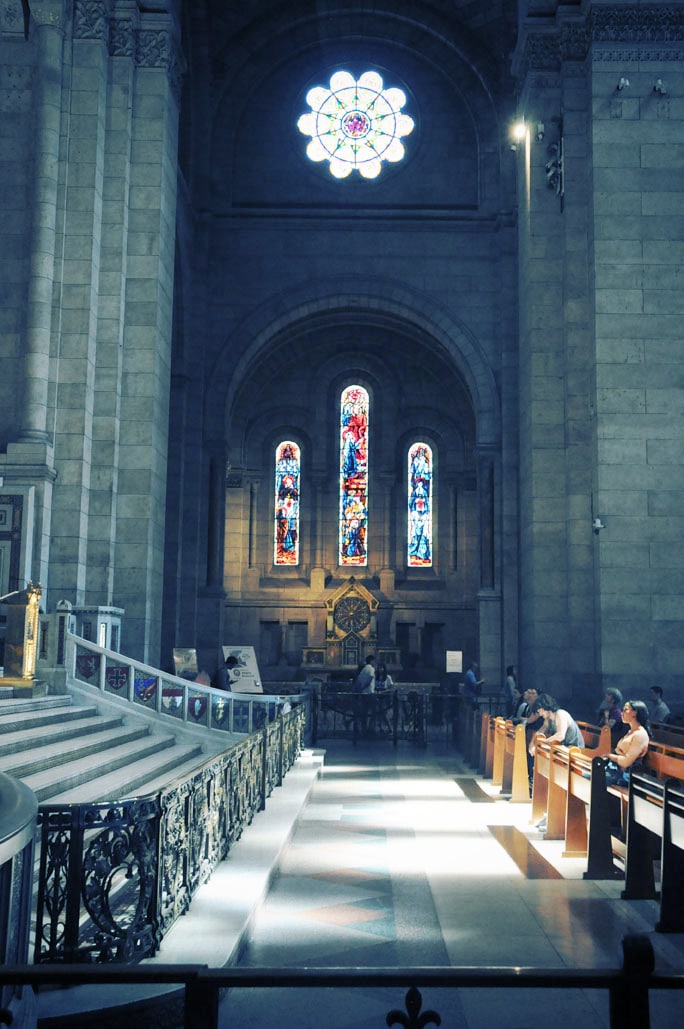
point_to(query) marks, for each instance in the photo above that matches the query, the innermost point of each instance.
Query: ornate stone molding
(11, 17)
(125, 37)
(90, 19)
(122, 37)
(638, 24)
(649, 30)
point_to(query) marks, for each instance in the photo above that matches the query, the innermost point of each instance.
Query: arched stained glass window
(287, 474)
(355, 124)
(420, 506)
(353, 476)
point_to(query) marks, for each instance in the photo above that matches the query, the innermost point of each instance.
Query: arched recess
(411, 312)
(256, 391)
(306, 41)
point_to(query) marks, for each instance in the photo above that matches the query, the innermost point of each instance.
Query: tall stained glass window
(287, 474)
(420, 506)
(353, 476)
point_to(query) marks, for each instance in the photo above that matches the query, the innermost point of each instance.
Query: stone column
(216, 519)
(318, 481)
(47, 25)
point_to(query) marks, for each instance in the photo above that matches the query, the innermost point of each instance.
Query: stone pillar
(544, 636)
(47, 25)
(317, 578)
(147, 335)
(216, 518)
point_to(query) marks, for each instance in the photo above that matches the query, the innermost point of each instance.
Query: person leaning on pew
(559, 725)
(631, 748)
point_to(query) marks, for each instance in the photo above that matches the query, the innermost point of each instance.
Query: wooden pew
(672, 861)
(655, 830)
(487, 731)
(673, 735)
(645, 812)
(596, 738)
(605, 847)
(509, 760)
(551, 776)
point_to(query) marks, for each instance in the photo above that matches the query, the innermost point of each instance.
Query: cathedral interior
(302, 348)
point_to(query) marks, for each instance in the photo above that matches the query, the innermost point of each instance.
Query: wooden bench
(655, 831)
(509, 764)
(672, 861)
(663, 732)
(552, 772)
(606, 849)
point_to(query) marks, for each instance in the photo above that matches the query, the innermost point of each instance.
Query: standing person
(658, 711)
(225, 676)
(511, 693)
(383, 680)
(631, 748)
(471, 684)
(365, 680)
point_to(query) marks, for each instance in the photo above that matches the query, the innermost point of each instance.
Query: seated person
(610, 713)
(658, 711)
(632, 747)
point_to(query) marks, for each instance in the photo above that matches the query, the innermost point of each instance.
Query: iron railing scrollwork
(115, 876)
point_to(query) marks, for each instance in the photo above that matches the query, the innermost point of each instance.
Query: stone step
(53, 755)
(47, 785)
(57, 731)
(148, 775)
(40, 708)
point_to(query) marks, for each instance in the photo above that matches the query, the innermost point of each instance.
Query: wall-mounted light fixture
(540, 131)
(518, 133)
(597, 525)
(660, 87)
(623, 83)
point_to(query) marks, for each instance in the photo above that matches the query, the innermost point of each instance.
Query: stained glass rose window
(355, 124)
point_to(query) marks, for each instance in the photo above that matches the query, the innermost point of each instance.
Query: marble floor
(404, 857)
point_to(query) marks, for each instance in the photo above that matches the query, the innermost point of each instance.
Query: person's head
(231, 661)
(656, 692)
(613, 696)
(370, 659)
(510, 670)
(635, 712)
(530, 695)
(545, 705)
(382, 671)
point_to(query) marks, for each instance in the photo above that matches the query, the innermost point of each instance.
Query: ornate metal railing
(628, 987)
(114, 877)
(171, 697)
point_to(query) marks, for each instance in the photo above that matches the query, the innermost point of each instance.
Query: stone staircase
(68, 750)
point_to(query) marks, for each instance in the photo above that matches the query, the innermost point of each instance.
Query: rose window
(355, 124)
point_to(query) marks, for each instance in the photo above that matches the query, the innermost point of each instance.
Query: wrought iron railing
(418, 712)
(115, 876)
(628, 986)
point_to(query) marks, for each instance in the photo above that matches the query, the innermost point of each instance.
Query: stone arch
(416, 314)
